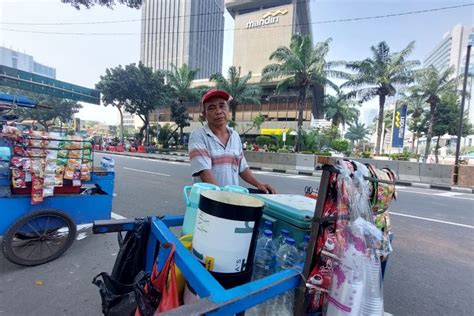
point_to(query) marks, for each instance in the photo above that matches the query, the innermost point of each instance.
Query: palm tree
(340, 109)
(431, 84)
(416, 108)
(379, 76)
(180, 80)
(303, 67)
(239, 88)
(357, 132)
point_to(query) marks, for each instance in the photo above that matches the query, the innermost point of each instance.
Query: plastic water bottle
(302, 247)
(266, 225)
(265, 252)
(286, 258)
(284, 234)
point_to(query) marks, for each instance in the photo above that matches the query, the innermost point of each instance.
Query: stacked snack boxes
(48, 160)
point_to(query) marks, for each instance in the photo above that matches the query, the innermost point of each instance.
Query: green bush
(273, 148)
(366, 154)
(283, 150)
(340, 145)
(308, 152)
(401, 156)
(263, 140)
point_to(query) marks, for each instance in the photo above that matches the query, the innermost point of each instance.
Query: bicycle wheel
(39, 237)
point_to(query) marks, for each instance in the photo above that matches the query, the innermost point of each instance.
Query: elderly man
(215, 150)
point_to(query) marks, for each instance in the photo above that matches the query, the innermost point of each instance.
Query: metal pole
(461, 116)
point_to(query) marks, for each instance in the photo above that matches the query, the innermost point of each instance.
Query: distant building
(21, 61)
(451, 51)
(183, 32)
(261, 26)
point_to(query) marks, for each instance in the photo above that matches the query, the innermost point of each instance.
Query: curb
(316, 174)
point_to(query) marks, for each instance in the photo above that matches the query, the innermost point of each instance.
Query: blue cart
(36, 234)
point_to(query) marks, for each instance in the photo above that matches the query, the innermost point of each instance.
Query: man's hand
(266, 188)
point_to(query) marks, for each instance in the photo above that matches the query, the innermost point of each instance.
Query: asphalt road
(431, 271)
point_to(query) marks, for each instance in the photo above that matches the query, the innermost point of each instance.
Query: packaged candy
(17, 173)
(75, 154)
(16, 162)
(85, 172)
(50, 166)
(37, 196)
(69, 173)
(51, 154)
(19, 151)
(61, 162)
(74, 163)
(18, 183)
(49, 180)
(63, 154)
(48, 191)
(37, 183)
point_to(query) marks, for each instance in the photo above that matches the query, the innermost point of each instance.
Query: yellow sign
(209, 263)
(275, 13)
(397, 119)
(273, 131)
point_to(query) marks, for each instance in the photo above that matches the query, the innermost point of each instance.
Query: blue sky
(82, 59)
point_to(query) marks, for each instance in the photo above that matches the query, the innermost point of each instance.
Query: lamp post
(461, 116)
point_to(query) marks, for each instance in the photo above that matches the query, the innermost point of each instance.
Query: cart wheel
(39, 237)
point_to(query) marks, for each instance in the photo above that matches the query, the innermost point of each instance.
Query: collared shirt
(207, 152)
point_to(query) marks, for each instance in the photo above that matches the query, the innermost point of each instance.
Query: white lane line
(448, 194)
(117, 216)
(149, 159)
(433, 193)
(433, 220)
(144, 171)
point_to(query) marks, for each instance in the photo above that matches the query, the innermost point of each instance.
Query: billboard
(399, 120)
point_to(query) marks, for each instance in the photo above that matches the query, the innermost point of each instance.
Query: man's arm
(208, 176)
(248, 177)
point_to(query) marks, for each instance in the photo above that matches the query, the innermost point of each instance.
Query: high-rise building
(261, 26)
(183, 32)
(21, 61)
(451, 52)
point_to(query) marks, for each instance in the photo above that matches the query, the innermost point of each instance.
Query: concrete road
(431, 271)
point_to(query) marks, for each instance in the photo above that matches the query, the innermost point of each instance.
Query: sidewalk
(183, 158)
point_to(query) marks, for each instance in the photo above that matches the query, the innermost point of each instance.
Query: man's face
(216, 111)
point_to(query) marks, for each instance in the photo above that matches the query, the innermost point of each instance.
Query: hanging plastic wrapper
(356, 287)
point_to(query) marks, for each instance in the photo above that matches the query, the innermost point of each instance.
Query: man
(216, 151)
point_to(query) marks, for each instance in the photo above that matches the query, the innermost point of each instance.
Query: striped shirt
(207, 152)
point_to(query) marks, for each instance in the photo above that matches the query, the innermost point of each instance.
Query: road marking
(448, 194)
(433, 193)
(433, 220)
(149, 159)
(144, 171)
(117, 216)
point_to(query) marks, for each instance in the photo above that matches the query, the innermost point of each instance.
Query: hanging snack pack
(43, 160)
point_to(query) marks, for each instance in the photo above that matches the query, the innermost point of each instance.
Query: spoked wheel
(39, 237)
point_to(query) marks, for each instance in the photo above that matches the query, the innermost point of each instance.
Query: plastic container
(223, 219)
(236, 189)
(302, 248)
(266, 225)
(281, 239)
(191, 194)
(265, 252)
(289, 211)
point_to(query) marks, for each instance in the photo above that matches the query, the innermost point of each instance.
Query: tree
(431, 84)
(446, 119)
(141, 90)
(256, 122)
(135, 4)
(50, 111)
(357, 132)
(340, 109)
(303, 67)
(180, 81)
(416, 108)
(110, 86)
(379, 76)
(239, 88)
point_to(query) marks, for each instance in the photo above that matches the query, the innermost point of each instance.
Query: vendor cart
(34, 234)
(214, 298)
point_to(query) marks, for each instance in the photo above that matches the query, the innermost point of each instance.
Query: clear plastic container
(280, 240)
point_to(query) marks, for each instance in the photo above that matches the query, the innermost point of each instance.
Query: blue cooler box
(288, 211)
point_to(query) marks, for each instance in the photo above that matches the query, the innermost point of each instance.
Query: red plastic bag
(165, 283)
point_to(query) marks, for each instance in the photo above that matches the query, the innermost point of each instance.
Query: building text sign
(268, 18)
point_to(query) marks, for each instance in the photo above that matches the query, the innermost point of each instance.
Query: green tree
(416, 108)
(303, 67)
(431, 84)
(326, 136)
(257, 122)
(446, 119)
(141, 90)
(51, 111)
(379, 76)
(340, 145)
(239, 89)
(357, 132)
(180, 80)
(109, 86)
(340, 109)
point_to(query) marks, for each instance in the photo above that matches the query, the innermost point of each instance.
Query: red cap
(215, 93)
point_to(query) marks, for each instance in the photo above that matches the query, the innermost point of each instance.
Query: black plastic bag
(132, 254)
(119, 299)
